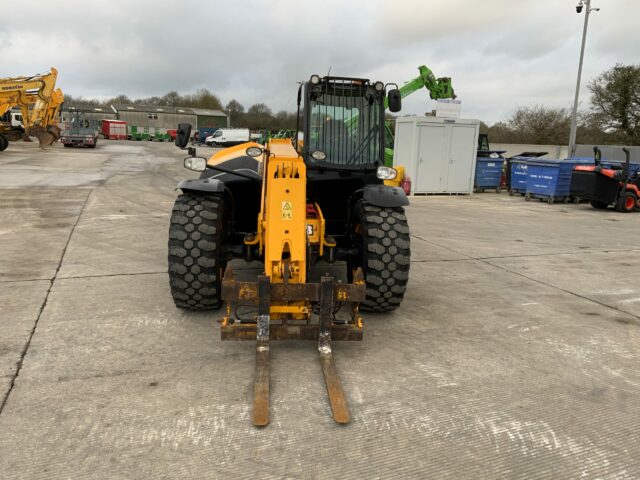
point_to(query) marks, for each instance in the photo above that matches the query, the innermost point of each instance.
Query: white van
(227, 137)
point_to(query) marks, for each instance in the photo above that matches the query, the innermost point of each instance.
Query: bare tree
(234, 107)
(541, 125)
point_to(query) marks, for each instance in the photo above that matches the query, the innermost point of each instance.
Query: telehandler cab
(291, 204)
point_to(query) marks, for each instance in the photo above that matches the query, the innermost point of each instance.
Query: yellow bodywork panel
(37, 90)
(396, 182)
(232, 152)
(283, 214)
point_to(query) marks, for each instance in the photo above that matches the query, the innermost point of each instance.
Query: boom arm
(438, 87)
(38, 102)
(37, 90)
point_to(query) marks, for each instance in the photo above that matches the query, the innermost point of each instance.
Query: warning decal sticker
(287, 211)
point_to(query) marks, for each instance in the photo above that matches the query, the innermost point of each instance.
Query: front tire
(196, 262)
(627, 202)
(382, 235)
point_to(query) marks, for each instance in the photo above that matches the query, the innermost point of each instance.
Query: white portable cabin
(439, 154)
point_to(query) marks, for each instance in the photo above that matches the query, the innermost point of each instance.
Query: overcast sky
(500, 53)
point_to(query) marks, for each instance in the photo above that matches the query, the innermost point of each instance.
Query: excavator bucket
(45, 137)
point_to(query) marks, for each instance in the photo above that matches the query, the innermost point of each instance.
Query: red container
(406, 185)
(172, 134)
(114, 129)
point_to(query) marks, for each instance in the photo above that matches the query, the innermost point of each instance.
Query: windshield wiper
(360, 150)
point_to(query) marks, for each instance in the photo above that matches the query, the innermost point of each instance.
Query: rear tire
(384, 255)
(4, 143)
(627, 202)
(196, 263)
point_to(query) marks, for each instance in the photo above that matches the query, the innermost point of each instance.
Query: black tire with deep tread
(384, 255)
(196, 264)
(622, 201)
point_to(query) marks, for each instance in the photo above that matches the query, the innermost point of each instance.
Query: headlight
(387, 173)
(315, 79)
(197, 164)
(254, 151)
(318, 155)
(379, 86)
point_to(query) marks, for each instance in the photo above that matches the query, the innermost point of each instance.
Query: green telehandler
(439, 88)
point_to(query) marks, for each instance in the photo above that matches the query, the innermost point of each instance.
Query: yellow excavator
(292, 205)
(39, 102)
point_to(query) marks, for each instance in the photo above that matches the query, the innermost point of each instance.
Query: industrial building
(89, 112)
(168, 117)
(152, 116)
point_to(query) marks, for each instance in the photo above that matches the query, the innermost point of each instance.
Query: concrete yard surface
(515, 354)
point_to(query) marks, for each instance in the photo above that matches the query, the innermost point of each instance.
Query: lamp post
(586, 5)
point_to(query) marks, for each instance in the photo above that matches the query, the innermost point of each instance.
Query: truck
(81, 131)
(228, 137)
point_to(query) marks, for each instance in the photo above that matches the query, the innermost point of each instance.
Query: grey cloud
(500, 53)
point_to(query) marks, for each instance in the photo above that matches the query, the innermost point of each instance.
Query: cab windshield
(345, 124)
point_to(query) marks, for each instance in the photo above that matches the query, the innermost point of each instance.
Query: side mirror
(183, 134)
(395, 100)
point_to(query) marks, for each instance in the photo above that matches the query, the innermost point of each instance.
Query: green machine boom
(439, 88)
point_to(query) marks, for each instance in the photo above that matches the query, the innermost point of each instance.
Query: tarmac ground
(515, 353)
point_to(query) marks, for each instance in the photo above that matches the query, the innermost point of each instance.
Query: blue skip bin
(517, 176)
(550, 180)
(488, 173)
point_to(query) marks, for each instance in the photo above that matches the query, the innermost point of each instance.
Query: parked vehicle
(203, 133)
(114, 129)
(291, 206)
(39, 102)
(228, 137)
(81, 132)
(607, 186)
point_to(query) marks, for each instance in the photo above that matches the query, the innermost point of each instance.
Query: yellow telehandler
(292, 204)
(39, 104)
